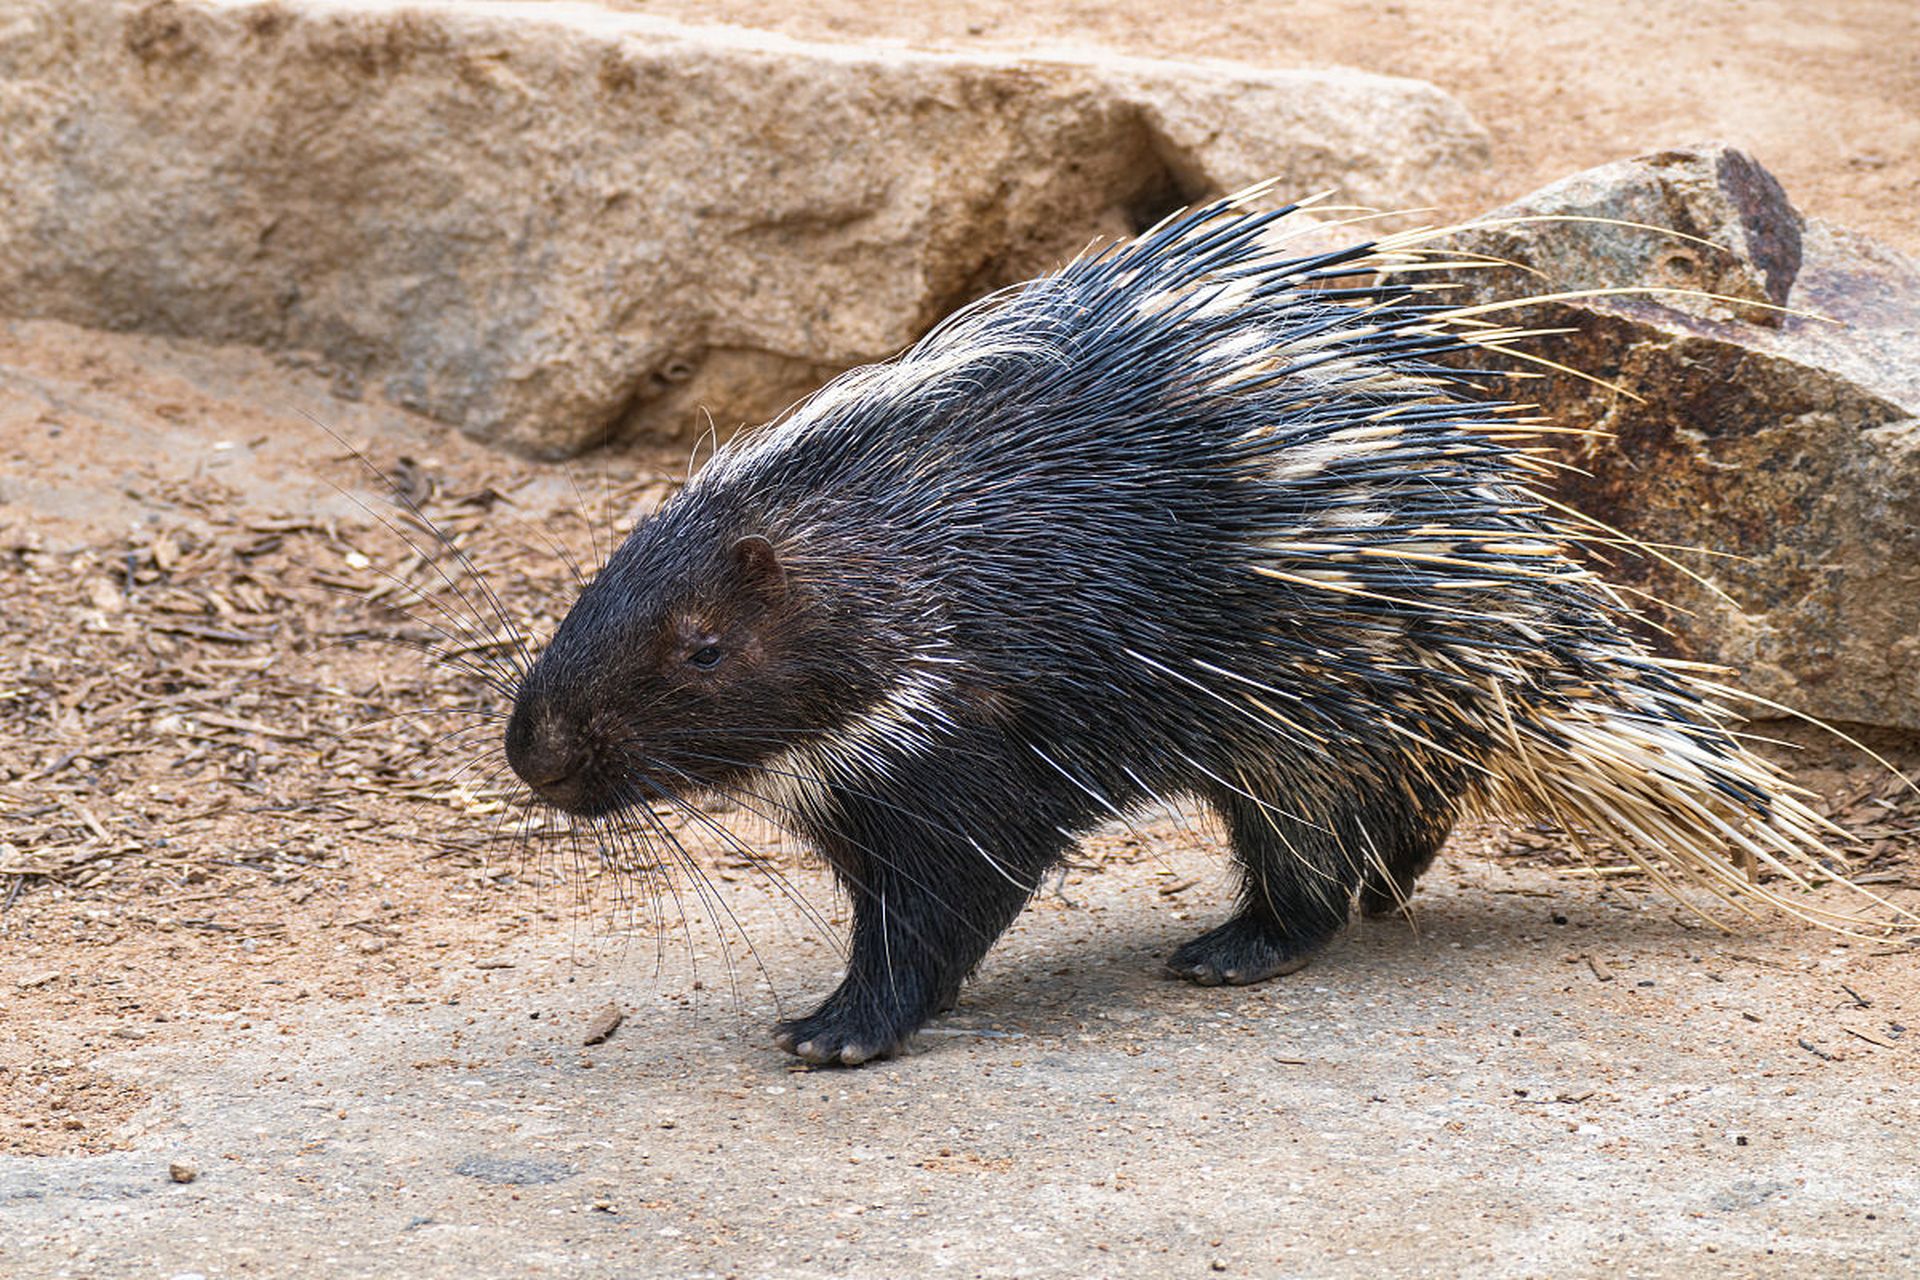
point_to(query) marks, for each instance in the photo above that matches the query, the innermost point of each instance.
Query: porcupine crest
(1197, 514)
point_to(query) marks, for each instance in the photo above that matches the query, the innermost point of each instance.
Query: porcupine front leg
(927, 904)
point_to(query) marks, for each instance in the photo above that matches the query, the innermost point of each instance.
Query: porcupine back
(1197, 506)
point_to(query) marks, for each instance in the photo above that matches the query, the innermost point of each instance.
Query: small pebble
(183, 1171)
(604, 1024)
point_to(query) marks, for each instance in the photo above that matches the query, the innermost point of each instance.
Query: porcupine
(1194, 516)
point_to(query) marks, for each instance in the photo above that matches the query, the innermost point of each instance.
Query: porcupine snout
(550, 754)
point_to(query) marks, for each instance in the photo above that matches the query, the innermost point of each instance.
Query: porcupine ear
(757, 564)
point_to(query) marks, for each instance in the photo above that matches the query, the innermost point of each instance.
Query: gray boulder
(552, 223)
(1784, 442)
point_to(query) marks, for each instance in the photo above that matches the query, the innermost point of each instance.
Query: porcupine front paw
(1239, 953)
(844, 1032)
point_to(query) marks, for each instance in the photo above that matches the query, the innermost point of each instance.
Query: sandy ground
(265, 911)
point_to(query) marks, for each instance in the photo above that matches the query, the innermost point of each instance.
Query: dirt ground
(266, 906)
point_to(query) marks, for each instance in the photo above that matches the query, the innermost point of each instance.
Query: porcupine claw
(816, 1039)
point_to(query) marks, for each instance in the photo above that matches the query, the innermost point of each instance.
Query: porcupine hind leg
(1297, 886)
(927, 904)
(1406, 835)
(1386, 888)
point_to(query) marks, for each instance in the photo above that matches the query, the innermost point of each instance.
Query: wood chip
(93, 823)
(604, 1024)
(197, 632)
(1600, 969)
(245, 726)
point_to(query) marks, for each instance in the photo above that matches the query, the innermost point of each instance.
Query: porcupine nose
(547, 756)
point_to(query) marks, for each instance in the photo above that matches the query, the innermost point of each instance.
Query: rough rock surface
(1787, 441)
(549, 222)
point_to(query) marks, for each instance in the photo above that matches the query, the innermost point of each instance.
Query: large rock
(548, 222)
(1786, 440)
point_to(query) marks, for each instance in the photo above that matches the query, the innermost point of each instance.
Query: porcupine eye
(706, 657)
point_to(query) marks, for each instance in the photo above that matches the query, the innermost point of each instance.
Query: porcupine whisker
(589, 860)
(492, 759)
(461, 631)
(661, 885)
(791, 893)
(593, 534)
(524, 809)
(422, 713)
(451, 660)
(572, 872)
(514, 826)
(464, 629)
(754, 859)
(518, 659)
(645, 868)
(696, 881)
(451, 653)
(441, 740)
(878, 855)
(710, 896)
(554, 546)
(459, 737)
(406, 502)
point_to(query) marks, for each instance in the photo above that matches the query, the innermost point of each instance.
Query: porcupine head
(692, 658)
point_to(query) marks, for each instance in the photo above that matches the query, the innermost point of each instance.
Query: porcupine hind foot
(1243, 951)
(1296, 888)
